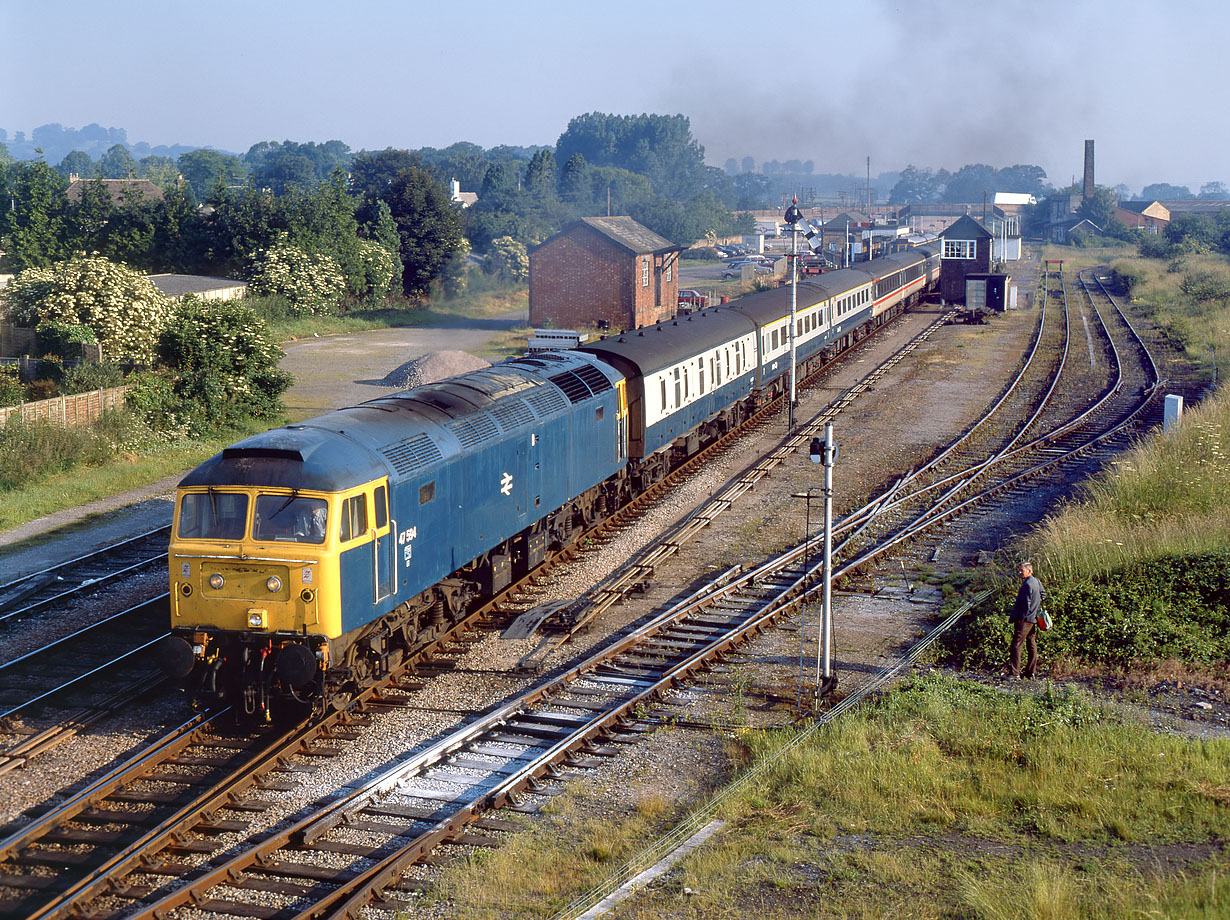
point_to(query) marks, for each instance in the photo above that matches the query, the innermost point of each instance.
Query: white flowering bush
(508, 259)
(312, 283)
(378, 268)
(125, 311)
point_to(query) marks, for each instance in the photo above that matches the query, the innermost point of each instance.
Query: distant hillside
(57, 141)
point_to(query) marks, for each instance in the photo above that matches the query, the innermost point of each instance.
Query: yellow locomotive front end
(254, 595)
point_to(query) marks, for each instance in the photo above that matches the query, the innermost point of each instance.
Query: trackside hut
(966, 250)
(604, 269)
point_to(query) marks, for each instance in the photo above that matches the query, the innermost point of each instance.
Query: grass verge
(941, 799)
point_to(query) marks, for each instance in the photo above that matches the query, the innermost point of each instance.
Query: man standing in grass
(1025, 615)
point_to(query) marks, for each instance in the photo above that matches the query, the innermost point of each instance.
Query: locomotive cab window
(289, 519)
(213, 516)
(354, 517)
(382, 506)
(427, 492)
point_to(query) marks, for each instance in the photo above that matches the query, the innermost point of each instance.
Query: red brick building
(604, 268)
(966, 250)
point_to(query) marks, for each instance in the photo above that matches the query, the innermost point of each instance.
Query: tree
(123, 308)
(162, 171)
(206, 170)
(372, 172)
(32, 224)
(508, 260)
(1164, 191)
(731, 166)
(748, 164)
(427, 225)
(76, 163)
(573, 181)
(1214, 190)
(117, 163)
(972, 182)
(915, 185)
(540, 176)
(659, 147)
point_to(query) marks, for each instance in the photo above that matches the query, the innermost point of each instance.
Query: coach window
(662, 380)
(700, 374)
(678, 390)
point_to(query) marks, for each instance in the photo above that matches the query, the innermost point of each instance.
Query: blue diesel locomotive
(308, 560)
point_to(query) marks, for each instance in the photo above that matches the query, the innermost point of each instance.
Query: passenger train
(311, 559)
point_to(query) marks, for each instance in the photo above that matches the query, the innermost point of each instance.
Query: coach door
(621, 414)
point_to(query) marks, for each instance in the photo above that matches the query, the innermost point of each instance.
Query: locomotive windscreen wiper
(293, 495)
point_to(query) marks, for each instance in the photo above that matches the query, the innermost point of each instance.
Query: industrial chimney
(1087, 190)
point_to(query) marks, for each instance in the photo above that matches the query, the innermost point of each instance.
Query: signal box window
(213, 516)
(354, 517)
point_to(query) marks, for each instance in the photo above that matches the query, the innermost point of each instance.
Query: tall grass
(1165, 497)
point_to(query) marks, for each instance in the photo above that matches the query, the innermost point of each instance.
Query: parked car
(692, 298)
(736, 272)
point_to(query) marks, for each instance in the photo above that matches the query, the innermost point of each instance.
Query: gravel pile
(433, 366)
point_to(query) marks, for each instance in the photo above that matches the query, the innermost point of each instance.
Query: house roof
(1137, 207)
(966, 228)
(855, 218)
(631, 235)
(116, 189)
(179, 285)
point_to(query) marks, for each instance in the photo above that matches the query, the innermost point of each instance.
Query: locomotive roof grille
(474, 430)
(572, 385)
(546, 401)
(411, 454)
(512, 413)
(594, 378)
(582, 383)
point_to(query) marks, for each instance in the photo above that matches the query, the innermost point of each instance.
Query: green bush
(224, 364)
(51, 368)
(62, 339)
(312, 283)
(89, 376)
(11, 390)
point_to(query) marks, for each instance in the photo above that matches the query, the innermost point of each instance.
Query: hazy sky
(934, 84)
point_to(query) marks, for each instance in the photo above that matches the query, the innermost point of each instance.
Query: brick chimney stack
(1087, 190)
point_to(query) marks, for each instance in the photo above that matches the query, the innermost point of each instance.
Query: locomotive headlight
(216, 581)
(274, 584)
(256, 619)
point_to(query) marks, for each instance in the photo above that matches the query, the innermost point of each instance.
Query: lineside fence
(69, 411)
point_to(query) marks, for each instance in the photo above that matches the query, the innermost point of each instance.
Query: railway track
(422, 802)
(67, 583)
(353, 852)
(24, 859)
(48, 695)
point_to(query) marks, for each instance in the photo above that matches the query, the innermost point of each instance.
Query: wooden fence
(70, 411)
